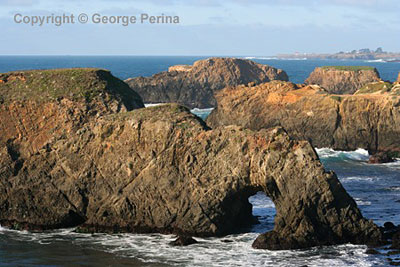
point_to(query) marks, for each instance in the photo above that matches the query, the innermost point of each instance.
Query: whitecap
(359, 154)
(361, 202)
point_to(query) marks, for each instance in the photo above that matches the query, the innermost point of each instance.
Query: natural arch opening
(263, 209)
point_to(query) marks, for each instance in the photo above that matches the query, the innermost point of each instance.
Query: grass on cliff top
(79, 83)
(347, 68)
(382, 87)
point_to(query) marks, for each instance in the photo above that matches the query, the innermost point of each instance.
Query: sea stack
(343, 79)
(74, 156)
(194, 86)
(370, 119)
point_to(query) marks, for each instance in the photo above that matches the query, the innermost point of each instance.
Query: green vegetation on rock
(76, 84)
(370, 88)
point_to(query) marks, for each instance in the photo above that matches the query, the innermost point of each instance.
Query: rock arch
(162, 169)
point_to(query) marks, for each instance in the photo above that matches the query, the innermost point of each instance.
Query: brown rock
(343, 80)
(380, 157)
(162, 169)
(341, 122)
(194, 86)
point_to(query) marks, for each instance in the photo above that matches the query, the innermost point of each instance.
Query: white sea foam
(232, 250)
(201, 110)
(376, 61)
(153, 104)
(362, 202)
(359, 154)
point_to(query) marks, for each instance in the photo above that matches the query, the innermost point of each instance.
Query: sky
(206, 27)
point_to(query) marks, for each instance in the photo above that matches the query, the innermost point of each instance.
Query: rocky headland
(370, 119)
(194, 86)
(343, 79)
(75, 155)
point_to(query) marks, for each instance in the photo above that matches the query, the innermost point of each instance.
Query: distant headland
(364, 54)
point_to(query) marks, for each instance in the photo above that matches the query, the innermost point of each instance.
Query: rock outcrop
(342, 122)
(160, 169)
(37, 106)
(194, 86)
(343, 79)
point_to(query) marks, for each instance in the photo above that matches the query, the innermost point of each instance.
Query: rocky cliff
(342, 79)
(158, 169)
(37, 106)
(369, 120)
(194, 86)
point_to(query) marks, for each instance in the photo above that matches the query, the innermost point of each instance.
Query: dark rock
(396, 241)
(372, 251)
(183, 241)
(380, 157)
(342, 79)
(389, 226)
(194, 86)
(309, 113)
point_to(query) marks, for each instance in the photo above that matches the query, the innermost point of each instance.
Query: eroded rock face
(369, 121)
(37, 106)
(194, 86)
(343, 80)
(162, 169)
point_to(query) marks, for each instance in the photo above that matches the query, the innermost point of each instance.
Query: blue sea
(376, 189)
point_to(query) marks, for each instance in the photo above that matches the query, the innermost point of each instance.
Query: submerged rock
(380, 157)
(162, 169)
(183, 240)
(309, 113)
(343, 79)
(194, 86)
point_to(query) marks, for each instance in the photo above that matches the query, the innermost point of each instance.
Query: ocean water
(376, 189)
(132, 66)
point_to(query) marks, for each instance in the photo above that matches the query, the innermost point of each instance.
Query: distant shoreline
(384, 57)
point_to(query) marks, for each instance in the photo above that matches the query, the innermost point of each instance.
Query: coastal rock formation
(398, 78)
(37, 106)
(160, 169)
(194, 86)
(369, 121)
(343, 79)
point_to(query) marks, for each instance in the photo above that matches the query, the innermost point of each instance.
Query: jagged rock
(194, 86)
(340, 122)
(183, 240)
(380, 157)
(161, 169)
(343, 79)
